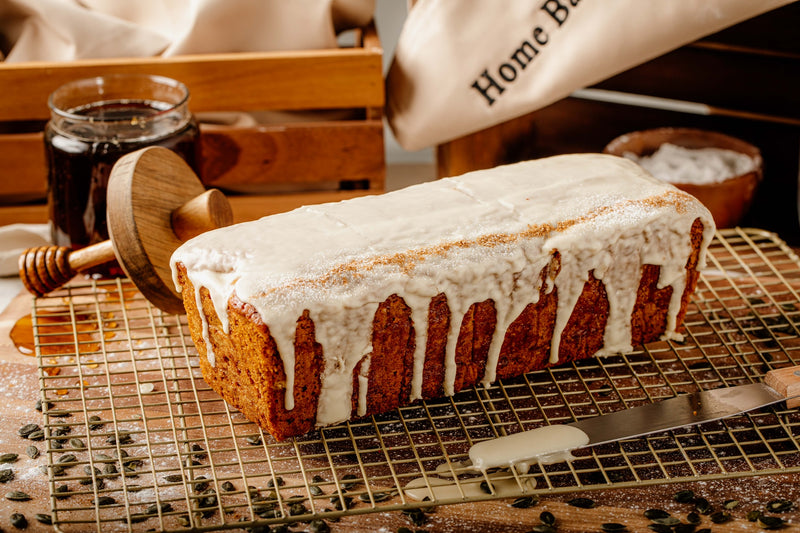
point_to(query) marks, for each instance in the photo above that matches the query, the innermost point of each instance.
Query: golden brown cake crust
(248, 371)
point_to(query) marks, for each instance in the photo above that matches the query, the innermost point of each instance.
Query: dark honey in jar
(93, 123)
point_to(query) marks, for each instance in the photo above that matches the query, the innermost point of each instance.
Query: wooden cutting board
(19, 390)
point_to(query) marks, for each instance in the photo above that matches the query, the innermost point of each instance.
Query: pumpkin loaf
(342, 310)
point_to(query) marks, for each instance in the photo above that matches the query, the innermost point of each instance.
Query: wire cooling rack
(136, 440)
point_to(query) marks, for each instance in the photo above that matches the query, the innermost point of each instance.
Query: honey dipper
(154, 203)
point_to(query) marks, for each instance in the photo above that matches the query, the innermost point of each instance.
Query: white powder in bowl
(699, 166)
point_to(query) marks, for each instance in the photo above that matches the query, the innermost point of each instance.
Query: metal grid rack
(136, 440)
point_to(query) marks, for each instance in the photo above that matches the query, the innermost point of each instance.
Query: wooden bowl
(728, 200)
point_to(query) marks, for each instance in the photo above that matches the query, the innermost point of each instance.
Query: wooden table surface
(19, 390)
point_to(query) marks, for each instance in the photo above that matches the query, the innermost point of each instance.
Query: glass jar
(95, 121)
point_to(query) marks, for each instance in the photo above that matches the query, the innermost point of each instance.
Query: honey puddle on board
(58, 335)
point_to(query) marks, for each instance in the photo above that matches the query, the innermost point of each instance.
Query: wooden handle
(787, 382)
(46, 268)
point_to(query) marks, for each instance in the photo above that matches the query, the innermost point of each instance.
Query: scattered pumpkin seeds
(18, 496)
(6, 475)
(653, 514)
(316, 490)
(67, 458)
(730, 504)
(32, 451)
(779, 506)
(227, 486)
(173, 478)
(95, 422)
(8, 457)
(110, 469)
(253, 440)
(582, 503)
(752, 516)
(543, 528)
(77, 443)
(60, 492)
(613, 527)
(36, 435)
(525, 502)
(18, 520)
(693, 518)
(547, 518)
(45, 519)
(770, 522)
(416, 516)
(683, 496)
(105, 500)
(318, 526)
(349, 481)
(27, 429)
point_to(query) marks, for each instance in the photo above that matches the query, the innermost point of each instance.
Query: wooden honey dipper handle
(45, 268)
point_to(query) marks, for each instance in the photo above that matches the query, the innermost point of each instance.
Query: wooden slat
(245, 207)
(307, 79)
(302, 156)
(23, 174)
(320, 155)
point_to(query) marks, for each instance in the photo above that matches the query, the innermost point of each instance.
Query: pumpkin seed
(277, 481)
(318, 526)
(59, 413)
(702, 506)
(253, 440)
(525, 502)
(110, 469)
(613, 527)
(770, 522)
(32, 451)
(338, 502)
(547, 518)
(6, 475)
(730, 504)
(18, 520)
(543, 528)
(779, 506)
(315, 490)
(27, 429)
(60, 491)
(67, 458)
(105, 500)
(183, 520)
(36, 435)
(752, 516)
(416, 516)
(317, 479)
(18, 496)
(349, 481)
(297, 509)
(45, 519)
(693, 518)
(659, 528)
(227, 486)
(77, 443)
(95, 422)
(173, 478)
(8, 457)
(670, 521)
(653, 514)
(485, 487)
(719, 517)
(582, 503)
(683, 496)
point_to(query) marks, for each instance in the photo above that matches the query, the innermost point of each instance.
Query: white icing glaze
(484, 235)
(544, 445)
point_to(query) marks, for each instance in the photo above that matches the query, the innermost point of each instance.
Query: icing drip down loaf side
(311, 317)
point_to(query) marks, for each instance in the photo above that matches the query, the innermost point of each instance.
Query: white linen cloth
(63, 30)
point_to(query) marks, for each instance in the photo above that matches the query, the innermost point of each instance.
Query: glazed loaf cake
(341, 310)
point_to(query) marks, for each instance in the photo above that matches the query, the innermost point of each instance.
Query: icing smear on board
(484, 235)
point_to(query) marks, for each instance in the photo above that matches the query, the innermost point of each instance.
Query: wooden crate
(278, 166)
(747, 75)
